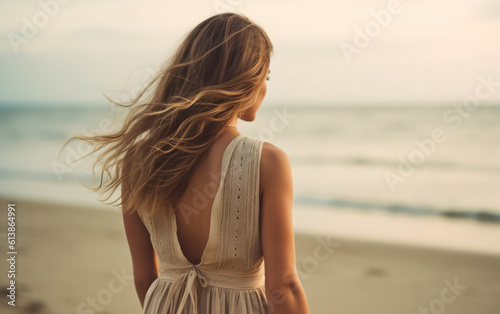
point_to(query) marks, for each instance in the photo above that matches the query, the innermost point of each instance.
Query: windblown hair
(215, 73)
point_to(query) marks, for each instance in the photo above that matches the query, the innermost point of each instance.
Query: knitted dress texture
(230, 276)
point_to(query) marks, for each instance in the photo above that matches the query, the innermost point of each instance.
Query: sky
(326, 52)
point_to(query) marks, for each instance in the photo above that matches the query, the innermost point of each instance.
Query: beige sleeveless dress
(230, 276)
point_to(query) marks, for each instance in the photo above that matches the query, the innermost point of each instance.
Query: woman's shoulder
(273, 153)
(276, 182)
(275, 164)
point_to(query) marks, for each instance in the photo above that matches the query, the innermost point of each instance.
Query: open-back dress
(230, 276)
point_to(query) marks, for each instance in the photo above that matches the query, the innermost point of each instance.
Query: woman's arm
(144, 259)
(283, 288)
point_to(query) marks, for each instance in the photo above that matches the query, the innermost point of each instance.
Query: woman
(207, 210)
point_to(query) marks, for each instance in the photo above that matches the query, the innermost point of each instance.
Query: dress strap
(210, 256)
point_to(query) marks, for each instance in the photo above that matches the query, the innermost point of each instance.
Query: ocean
(411, 160)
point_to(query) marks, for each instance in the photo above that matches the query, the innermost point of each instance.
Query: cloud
(492, 9)
(106, 41)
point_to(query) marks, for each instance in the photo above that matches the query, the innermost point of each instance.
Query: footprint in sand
(375, 272)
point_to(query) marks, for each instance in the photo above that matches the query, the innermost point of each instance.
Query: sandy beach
(69, 257)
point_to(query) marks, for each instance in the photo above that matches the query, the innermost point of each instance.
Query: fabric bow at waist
(188, 277)
(230, 281)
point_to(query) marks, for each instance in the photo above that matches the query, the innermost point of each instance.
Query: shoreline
(467, 236)
(425, 232)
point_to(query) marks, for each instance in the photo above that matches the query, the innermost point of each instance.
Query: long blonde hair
(214, 74)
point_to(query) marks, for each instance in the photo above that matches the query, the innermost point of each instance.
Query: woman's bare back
(193, 215)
